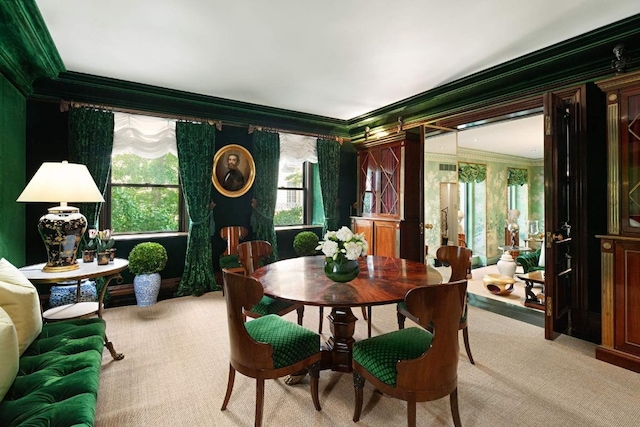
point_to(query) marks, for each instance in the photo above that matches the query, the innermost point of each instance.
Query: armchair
(529, 261)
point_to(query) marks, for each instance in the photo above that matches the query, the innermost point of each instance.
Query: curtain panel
(471, 172)
(329, 170)
(266, 154)
(517, 176)
(91, 144)
(196, 148)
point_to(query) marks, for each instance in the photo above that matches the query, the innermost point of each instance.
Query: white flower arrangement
(343, 245)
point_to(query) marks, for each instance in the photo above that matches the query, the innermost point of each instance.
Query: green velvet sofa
(529, 261)
(49, 373)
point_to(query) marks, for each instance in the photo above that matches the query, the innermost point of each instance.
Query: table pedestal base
(337, 356)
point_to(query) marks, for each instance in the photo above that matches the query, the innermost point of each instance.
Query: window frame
(307, 196)
(183, 216)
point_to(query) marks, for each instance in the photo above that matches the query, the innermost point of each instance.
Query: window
(293, 187)
(144, 193)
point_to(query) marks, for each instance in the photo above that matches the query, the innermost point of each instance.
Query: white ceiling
(523, 137)
(333, 58)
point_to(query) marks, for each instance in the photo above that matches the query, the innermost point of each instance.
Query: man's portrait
(233, 180)
(233, 170)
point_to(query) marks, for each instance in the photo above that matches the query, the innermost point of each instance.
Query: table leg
(114, 353)
(107, 280)
(343, 325)
(528, 290)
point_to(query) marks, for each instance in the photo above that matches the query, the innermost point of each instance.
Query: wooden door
(560, 134)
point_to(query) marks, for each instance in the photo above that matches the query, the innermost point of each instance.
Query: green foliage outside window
(289, 216)
(150, 198)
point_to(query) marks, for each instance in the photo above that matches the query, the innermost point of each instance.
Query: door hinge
(549, 309)
(547, 125)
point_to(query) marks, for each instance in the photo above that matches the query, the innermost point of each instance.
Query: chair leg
(411, 411)
(259, 401)
(314, 375)
(465, 335)
(358, 387)
(364, 313)
(321, 320)
(401, 319)
(453, 400)
(368, 321)
(300, 314)
(227, 396)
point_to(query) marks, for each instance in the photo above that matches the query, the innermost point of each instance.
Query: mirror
(440, 186)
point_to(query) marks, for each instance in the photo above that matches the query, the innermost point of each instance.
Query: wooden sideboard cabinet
(620, 248)
(389, 196)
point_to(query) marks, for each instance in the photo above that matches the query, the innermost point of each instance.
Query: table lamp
(62, 228)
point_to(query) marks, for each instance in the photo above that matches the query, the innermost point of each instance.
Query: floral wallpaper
(491, 212)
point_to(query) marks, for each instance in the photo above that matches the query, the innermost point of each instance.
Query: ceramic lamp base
(61, 230)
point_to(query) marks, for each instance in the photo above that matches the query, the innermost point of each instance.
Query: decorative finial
(620, 63)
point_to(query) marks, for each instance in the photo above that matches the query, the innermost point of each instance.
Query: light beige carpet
(176, 362)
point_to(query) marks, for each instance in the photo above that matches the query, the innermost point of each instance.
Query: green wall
(12, 172)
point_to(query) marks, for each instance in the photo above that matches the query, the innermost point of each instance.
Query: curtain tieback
(205, 220)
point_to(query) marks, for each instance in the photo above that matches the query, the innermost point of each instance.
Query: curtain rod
(65, 105)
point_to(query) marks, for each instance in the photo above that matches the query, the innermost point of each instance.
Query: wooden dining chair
(268, 347)
(251, 255)
(416, 364)
(459, 258)
(232, 235)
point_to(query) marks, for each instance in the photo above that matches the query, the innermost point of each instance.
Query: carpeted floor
(176, 363)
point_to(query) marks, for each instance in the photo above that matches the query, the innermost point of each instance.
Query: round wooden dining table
(382, 280)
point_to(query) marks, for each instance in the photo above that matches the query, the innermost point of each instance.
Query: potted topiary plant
(305, 243)
(146, 260)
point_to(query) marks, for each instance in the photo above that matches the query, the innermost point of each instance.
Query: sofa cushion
(19, 298)
(58, 378)
(8, 352)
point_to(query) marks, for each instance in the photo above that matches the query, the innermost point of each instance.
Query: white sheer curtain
(297, 148)
(144, 136)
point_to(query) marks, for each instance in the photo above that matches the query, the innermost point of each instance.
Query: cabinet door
(364, 226)
(630, 162)
(390, 180)
(627, 297)
(386, 238)
(369, 183)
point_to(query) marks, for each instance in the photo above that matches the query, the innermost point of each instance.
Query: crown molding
(27, 51)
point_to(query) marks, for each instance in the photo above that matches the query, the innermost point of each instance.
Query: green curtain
(471, 172)
(266, 154)
(329, 167)
(196, 147)
(91, 144)
(517, 176)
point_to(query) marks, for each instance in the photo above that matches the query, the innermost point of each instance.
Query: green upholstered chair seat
(230, 261)
(291, 343)
(529, 261)
(58, 377)
(379, 355)
(268, 305)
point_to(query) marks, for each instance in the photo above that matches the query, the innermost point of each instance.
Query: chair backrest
(233, 235)
(244, 291)
(458, 257)
(437, 308)
(251, 253)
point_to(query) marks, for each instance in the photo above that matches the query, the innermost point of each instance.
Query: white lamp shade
(61, 183)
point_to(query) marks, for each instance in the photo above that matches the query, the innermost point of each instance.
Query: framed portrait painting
(233, 170)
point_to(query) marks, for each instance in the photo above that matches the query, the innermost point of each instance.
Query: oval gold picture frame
(227, 182)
